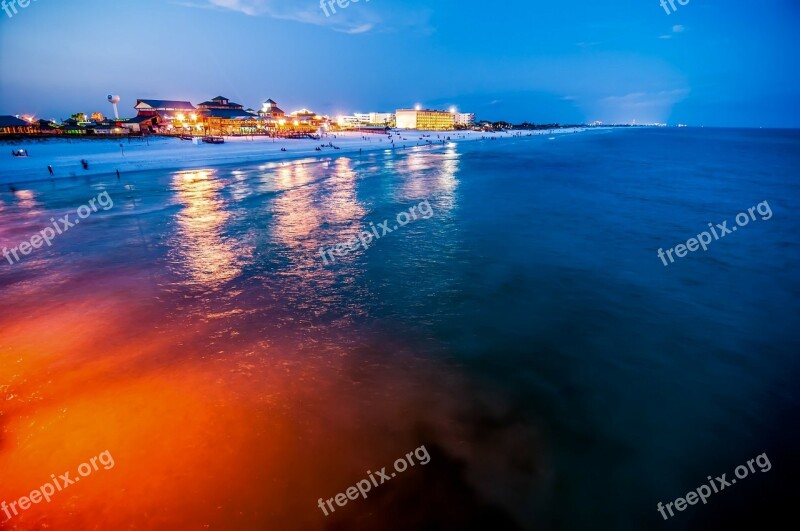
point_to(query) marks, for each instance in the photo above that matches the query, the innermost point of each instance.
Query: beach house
(11, 125)
(272, 114)
(305, 120)
(171, 115)
(219, 116)
(140, 124)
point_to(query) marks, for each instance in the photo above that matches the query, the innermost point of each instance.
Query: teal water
(562, 377)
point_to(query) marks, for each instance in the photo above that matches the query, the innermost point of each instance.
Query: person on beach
(50, 169)
(118, 175)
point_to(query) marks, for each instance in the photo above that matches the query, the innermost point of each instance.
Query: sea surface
(526, 333)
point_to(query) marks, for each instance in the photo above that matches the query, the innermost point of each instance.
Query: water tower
(113, 100)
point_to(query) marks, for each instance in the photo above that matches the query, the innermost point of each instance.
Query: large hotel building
(426, 120)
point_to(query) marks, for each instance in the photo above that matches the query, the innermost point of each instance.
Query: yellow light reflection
(430, 175)
(199, 249)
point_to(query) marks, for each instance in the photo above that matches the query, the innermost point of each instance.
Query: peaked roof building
(220, 102)
(12, 124)
(222, 107)
(12, 121)
(163, 106)
(271, 111)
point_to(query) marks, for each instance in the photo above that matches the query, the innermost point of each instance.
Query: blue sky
(711, 62)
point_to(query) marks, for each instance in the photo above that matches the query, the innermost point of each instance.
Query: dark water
(527, 334)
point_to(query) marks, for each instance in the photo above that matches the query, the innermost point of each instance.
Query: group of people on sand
(84, 163)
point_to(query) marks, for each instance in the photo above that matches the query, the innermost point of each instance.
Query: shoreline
(172, 154)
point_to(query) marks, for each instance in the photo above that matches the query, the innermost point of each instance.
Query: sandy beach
(157, 153)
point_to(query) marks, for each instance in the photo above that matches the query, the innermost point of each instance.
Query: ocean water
(526, 333)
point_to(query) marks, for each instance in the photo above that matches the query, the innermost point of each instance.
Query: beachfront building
(425, 119)
(11, 125)
(171, 116)
(360, 120)
(381, 118)
(139, 124)
(375, 118)
(220, 117)
(305, 121)
(72, 126)
(107, 129)
(465, 119)
(348, 122)
(48, 127)
(271, 113)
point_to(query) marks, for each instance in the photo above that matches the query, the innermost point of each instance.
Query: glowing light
(207, 255)
(181, 117)
(418, 107)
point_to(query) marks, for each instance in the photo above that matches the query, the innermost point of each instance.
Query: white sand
(105, 156)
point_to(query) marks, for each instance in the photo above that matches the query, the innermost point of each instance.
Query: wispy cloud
(675, 29)
(356, 19)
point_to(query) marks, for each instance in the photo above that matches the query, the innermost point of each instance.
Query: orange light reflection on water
(246, 441)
